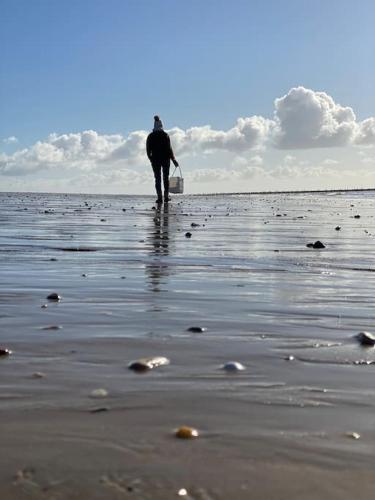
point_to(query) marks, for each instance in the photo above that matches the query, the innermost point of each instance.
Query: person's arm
(171, 154)
(148, 148)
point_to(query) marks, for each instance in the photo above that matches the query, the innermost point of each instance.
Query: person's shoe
(159, 200)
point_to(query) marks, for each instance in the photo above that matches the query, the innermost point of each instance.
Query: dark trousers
(157, 167)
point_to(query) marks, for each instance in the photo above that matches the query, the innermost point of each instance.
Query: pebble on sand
(357, 216)
(233, 366)
(182, 492)
(54, 296)
(99, 393)
(145, 364)
(197, 329)
(52, 327)
(5, 352)
(38, 375)
(188, 234)
(338, 228)
(366, 339)
(186, 432)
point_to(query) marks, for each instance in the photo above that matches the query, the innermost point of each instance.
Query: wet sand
(280, 429)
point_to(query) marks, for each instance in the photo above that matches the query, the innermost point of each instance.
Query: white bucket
(176, 184)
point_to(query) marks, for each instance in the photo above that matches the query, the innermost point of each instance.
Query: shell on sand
(186, 432)
(366, 338)
(233, 366)
(99, 393)
(144, 364)
(353, 435)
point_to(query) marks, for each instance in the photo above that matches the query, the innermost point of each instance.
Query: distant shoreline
(303, 191)
(234, 193)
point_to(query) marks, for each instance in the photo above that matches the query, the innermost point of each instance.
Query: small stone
(52, 327)
(145, 364)
(44, 306)
(53, 259)
(188, 235)
(197, 329)
(38, 375)
(290, 358)
(353, 435)
(185, 432)
(99, 410)
(5, 352)
(357, 216)
(194, 224)
(317, 244)
(182, 492)
(366, 339)
(338, 228)
(84, 275)
(54, 296)
(99, 393)
(233, 366)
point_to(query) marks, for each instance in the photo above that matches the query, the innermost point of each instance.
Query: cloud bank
(302, 119)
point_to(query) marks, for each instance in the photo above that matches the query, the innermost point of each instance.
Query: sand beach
(297, 423)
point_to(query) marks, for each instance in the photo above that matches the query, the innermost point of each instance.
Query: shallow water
(245, 274)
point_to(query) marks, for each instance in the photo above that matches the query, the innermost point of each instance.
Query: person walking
(160, 154)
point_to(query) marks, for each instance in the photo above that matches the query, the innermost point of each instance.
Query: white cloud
(308, 119)
(10, 140)
(366, 132)
(248, 133)
(330, 162)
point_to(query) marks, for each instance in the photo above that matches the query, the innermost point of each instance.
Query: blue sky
(108, 66)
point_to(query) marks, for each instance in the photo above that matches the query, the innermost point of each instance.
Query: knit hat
(158, 125)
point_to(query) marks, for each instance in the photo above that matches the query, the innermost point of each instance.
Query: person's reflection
(159, 239)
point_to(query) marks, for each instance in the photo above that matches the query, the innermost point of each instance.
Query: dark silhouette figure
(160, 154)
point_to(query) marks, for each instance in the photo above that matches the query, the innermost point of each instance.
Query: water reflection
(159, 240)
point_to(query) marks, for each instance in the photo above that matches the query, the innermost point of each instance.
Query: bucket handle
(175, 168)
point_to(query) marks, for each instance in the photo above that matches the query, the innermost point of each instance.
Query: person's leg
(156, 167)
(166, 166)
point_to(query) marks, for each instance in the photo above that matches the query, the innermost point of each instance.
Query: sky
(255, 94)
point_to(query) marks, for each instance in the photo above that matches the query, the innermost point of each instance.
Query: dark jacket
(158, 146)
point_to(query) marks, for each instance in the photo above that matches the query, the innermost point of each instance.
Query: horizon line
(233, 193)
